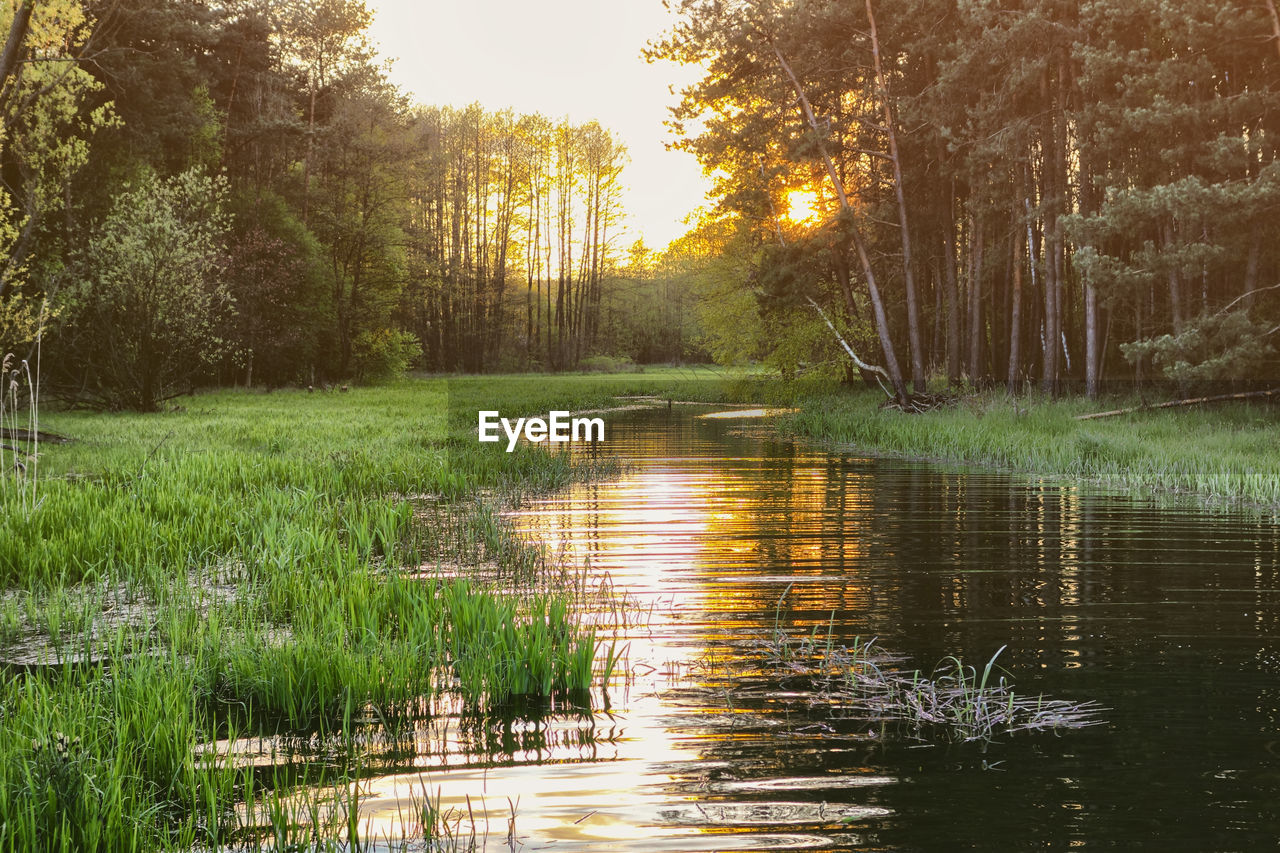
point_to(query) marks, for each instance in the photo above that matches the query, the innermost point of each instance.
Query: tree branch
(1275, 23)
(13, 45)
(871, 368)
(1225, 308)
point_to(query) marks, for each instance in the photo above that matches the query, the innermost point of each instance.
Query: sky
(574, 58)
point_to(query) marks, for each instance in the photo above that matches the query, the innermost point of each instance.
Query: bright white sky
(575, 58)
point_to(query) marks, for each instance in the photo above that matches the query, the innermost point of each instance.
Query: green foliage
(21, 318)
(151, 63)
(711, 263)
(1213, 347)
(798, 341)
(151, 297)
(359, 211)
(283, 291)
(46, 124)
(607, 364)
(378, 356)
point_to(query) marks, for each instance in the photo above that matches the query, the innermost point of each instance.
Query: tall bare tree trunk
(952, 294)
(908, 269)
(1049, 342)
(975, 305)
(1015, 309)
(1051, 202)
(1175, 284)
(306, 157)
(1092, 350)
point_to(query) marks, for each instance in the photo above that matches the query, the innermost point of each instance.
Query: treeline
(504, 203)
(233, 192)
(1015, 191)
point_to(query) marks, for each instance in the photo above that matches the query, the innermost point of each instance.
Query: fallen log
(1175, 403)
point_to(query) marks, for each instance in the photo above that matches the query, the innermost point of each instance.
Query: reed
(20, 432)
(953, 701)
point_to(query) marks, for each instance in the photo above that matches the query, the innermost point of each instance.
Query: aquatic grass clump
(502, 648)
(102, 759)
(953, 702)
(958, 701)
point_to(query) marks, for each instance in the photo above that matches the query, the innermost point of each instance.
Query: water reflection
(1166, 616)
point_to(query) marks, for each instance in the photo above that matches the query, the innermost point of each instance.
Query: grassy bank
(1221, 453)
(265, 564)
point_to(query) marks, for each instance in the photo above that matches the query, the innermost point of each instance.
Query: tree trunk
(1049, 343)
(1091, 345)
(306, 157)
(975, 306)
(1015, 310)
(953, 300)
(13, 44)
(1052, 158)
(1251, 264)
(908, 271)
(1175, 284)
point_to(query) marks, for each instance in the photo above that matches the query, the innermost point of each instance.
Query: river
(721, 534)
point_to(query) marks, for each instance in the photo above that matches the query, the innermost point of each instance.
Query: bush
(383, 355)
(149, 296)
(607, 364)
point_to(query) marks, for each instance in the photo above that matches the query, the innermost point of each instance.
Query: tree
(360, 211)
(759, 55)
(324, 43)
(152, 62)
(145, 313)
(45, 129)
(276, 273)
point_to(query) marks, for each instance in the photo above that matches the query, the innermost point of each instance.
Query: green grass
(264, 563)
(1221, 453)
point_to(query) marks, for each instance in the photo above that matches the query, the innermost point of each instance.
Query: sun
(804, 207)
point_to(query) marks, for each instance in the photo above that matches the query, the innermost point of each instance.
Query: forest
(1031, 193)
(1005, 192)
(200, 194)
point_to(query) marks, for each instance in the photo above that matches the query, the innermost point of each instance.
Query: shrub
(384, 354)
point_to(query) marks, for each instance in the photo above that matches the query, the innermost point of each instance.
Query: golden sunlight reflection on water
(680, 538)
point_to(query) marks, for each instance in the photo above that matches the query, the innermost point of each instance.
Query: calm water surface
(718, 532)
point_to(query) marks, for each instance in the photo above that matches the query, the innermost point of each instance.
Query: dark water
(1164, 615)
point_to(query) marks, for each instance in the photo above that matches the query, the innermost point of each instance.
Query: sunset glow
(804, 207)
(574, 58)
